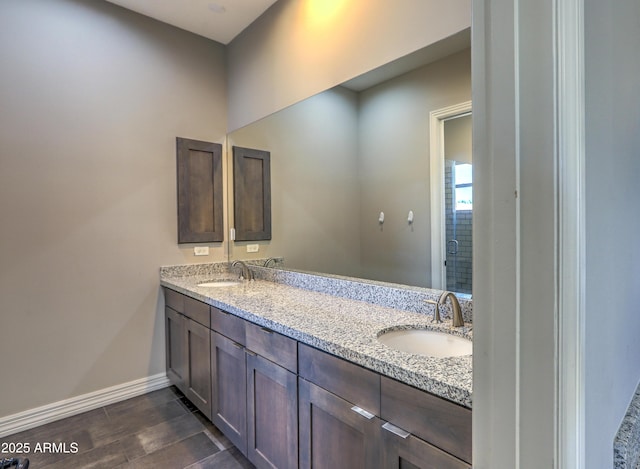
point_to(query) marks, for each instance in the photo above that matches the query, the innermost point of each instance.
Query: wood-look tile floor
(156, 430)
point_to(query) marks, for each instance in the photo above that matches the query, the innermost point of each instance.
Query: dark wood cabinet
(251, 194)
(442, 423)
(406, 451)
(176, 354)
(334, 433)
(188, 349)
(229, 389)
(198, 375)
(273, 346)
(200, 191)
(347, 380)
(285, 404)
(272, 414)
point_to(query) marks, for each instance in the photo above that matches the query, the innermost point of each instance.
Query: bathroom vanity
(297, 378)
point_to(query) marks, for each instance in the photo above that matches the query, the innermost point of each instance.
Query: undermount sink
(426, 342)
(219, 283)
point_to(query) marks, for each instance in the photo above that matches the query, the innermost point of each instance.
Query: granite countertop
(344, 327)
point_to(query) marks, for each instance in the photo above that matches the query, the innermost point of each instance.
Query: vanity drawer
(347, 380)
(174, 300)
(273, 346)
(228, 325)
(431, 418)
(197, 310)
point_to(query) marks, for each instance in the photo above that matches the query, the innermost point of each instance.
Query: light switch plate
(253, 247)
(201, 251)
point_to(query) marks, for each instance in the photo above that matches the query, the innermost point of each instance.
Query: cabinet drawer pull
(396, 430)
(361, 411)
(249, 352)
(236, 345)
(268, 331)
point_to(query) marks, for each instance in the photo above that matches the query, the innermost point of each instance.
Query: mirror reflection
(342, 157)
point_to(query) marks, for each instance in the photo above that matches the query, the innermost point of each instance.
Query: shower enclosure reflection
(458, 189)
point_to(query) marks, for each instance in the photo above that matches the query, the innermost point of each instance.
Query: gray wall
(300, 48)
(92, 98)
(457, 137)
(612, 31)
(394, 166)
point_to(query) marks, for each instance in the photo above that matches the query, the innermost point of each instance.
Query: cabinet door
(405, 451)
(335, 434)
(176, 353)
(272, 414)
(229, 389)
(198, 385)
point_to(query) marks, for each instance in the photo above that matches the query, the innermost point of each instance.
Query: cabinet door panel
(176, 353)
(272, 414)
(332, 434)
(198, 389)
(229, 389)
(414, 453)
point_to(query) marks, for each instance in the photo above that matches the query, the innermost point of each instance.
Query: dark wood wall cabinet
(200, 191)
(251, 194)
(285, 404)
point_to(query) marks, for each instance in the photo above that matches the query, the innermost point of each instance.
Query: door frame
(437, 119)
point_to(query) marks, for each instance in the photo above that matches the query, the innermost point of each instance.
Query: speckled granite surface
(336, 323)
(626, 446)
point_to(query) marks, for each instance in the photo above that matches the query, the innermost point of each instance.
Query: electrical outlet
(253, 247)
(201, 251)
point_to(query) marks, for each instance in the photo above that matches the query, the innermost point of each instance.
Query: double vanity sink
(385, 328)
(302, 371)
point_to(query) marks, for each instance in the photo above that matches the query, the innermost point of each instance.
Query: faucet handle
(436, 312)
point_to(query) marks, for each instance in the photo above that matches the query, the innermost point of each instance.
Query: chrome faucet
(271, 259)
(246, 272)
(456, 312)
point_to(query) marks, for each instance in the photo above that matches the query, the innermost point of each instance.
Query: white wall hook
(381, 218)
(410, 217)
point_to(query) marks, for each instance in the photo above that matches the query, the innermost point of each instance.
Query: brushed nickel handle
(361, 411)
(396, 430)
(267, 330)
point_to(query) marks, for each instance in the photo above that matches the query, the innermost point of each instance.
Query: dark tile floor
(157, 430)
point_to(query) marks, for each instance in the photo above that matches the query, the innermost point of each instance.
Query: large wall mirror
(342, 157)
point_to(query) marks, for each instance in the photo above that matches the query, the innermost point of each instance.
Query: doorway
(451, 198)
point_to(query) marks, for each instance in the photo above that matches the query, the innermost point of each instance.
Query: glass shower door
(458, 225)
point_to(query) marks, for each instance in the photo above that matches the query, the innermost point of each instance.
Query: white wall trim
(436, 157)
(570, 79)
(79, 404)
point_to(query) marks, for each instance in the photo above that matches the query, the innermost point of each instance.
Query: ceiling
(220, 20)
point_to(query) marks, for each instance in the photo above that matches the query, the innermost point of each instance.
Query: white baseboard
(76, 405)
